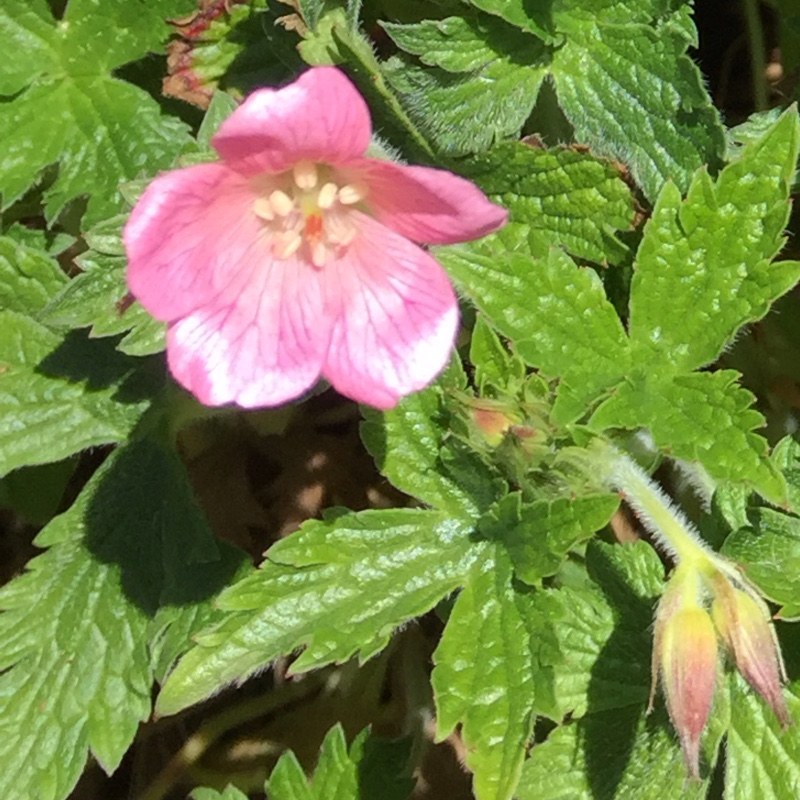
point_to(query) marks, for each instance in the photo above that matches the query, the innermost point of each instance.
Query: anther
(286, 244)
(305, 174)
(281, 203)
(352, 193)
(327, 196)
(263, 208)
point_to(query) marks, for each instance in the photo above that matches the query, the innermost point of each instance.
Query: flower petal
(187, 238)
(397, 321)
(429, 205)
(319, 117)
(262, 346)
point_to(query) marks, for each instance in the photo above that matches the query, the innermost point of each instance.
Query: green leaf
(423, 555)
(769, 553)
(566, 327)
(340, 775)
(35, 493)
(593, 640)
(73, 643)
(97, 297)
(59, 396)
(228, 793)
(703, 416)
(28, 277)
(484, 679)
(570, 199)
(703, 268)
(762, 760)
(106, 130)
(494, 366)
(631, 93)
(534, 18)
(620, 754)
(539, 535)
(481, 83)
(411, 447)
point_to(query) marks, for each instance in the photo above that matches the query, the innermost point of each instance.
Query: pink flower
(293, 257)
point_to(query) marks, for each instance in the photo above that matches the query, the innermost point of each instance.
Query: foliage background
(472, 602)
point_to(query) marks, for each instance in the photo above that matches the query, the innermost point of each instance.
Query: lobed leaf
(73, 632)
(311, 590)
(703, 416)
(703, 268)
(484, 676)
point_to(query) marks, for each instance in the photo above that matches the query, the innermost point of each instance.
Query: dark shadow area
(622, 670)
(99, 365)
(142, 517)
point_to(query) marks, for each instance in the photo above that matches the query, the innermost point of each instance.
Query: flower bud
(493, 419)
(686, 654)
(744, 625)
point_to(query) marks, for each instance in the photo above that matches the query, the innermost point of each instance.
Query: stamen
(263, 208)
(281, 203)
(340, 229)
(286, 244)
(327, 195)
(352, 193)
(319, 254)
(305, 174)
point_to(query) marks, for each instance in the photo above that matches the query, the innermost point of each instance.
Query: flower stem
(669, 527)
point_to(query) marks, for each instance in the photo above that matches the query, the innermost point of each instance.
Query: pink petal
(429, 205)
(187, 237)
(258, 346)
(319, 117)
(398, 317)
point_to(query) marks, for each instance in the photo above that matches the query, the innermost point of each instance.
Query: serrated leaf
(73, 642)
(28, 277)
(769, 554)
(539, 535)
(631, 93)
(411, 447)
(61, 395)
(570, 199)
(703, 268)
(762, 761)
(484, 679)
(107, 130)
(566, 327)
(318, 589)
(534, 18)
(343, 775)
(481, 84)
(703, 416)
(494, 366)
(614, 755)
(228, 793)
(97, 297)
(593, 641)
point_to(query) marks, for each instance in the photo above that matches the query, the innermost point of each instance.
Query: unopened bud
(492, 419)
(687, 657)
(745, 626)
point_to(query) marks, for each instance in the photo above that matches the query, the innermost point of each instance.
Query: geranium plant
(399, 399)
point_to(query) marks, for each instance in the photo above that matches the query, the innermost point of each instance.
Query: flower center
(310, 210)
